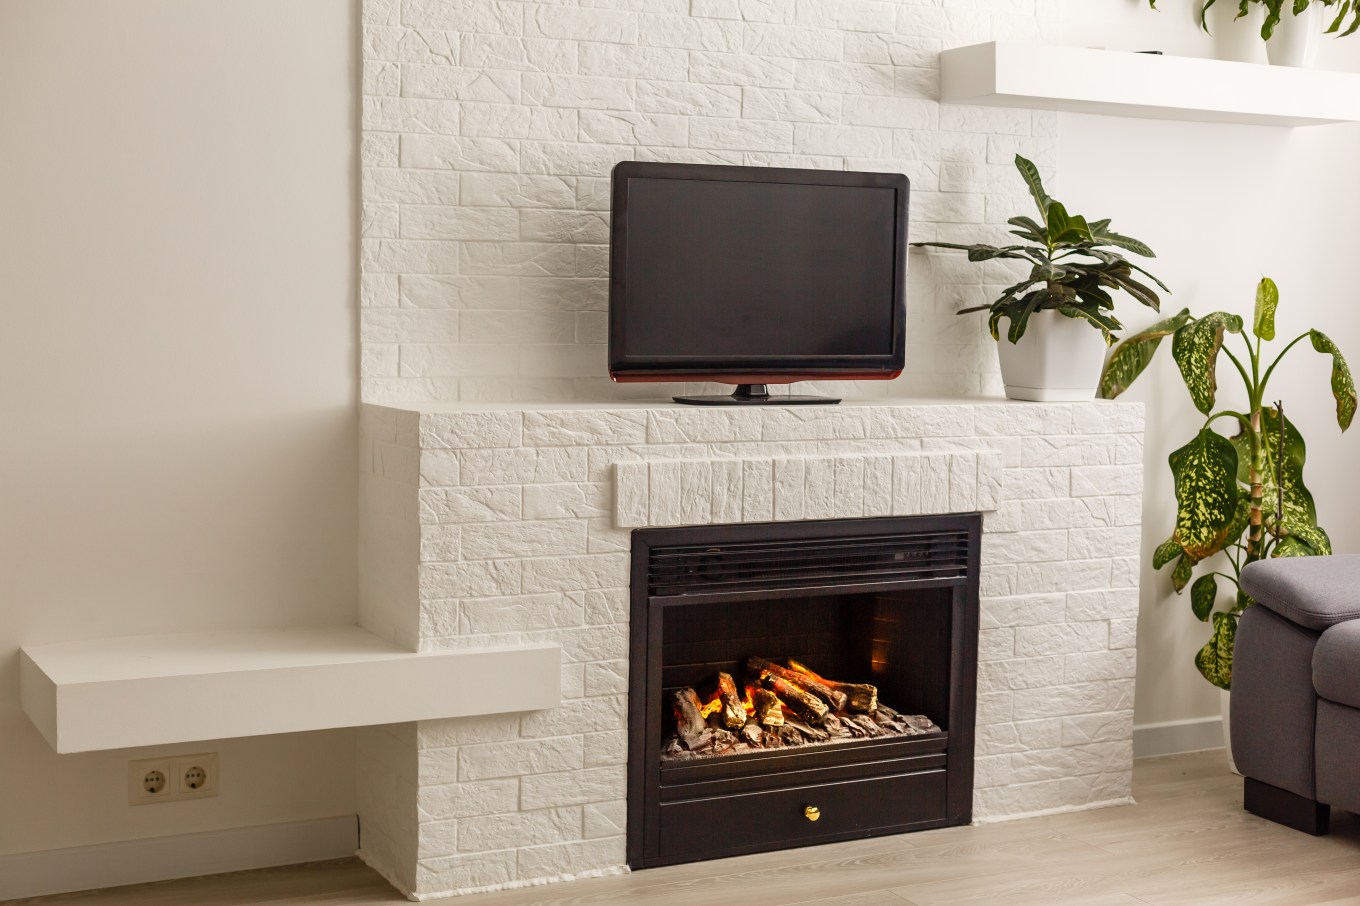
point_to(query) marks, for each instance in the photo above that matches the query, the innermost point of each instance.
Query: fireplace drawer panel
(751, 822)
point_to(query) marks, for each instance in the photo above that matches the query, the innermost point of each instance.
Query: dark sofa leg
(1284, 807)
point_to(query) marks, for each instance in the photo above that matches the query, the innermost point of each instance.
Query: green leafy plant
(1242, 497)
(1277, 9)
(1072, 268)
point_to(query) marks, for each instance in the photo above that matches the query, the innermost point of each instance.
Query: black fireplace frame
(895, 785)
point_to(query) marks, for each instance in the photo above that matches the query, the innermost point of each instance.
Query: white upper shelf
(1118, 83)
(154, 690)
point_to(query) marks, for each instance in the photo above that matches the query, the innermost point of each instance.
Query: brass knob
(812, 813)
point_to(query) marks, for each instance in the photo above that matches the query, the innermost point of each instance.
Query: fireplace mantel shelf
(1116, 83)
(153, 690)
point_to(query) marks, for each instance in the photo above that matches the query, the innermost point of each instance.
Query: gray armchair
(1296, 690)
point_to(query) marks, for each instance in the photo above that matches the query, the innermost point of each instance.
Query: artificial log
(861, 697)
(689, 719)
(733, 714)
(769, 712)
(806, 705)
(758, 666)
(752, 732)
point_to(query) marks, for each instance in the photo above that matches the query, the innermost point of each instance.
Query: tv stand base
(756, 395)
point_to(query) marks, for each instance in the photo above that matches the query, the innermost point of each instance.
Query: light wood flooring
(1186, 841)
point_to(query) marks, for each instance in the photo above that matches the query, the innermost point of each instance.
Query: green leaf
(1267, 300)
(1165, 553)
(1030, 174)
(1131, 357)
(1343, 385)
(1300, 6)
(1336, 23)
(1243, 601)
(1205, 472)
(1180, 576)
(1128, 243)
(1203, 594)
(1215, 659)
(1195, 348)
(1059, 221)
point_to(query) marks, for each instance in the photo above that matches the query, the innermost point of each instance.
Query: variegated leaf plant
(1074, 266)
(1242, 496)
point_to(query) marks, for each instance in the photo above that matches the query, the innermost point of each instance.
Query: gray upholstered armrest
(1314, 592)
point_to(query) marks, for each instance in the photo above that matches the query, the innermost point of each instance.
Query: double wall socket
(170, 779)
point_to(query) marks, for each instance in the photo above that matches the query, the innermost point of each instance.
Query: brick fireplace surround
(491, 525)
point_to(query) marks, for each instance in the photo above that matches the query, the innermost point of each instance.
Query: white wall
(177, 369)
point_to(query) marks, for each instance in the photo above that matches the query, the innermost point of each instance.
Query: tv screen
(756, 274)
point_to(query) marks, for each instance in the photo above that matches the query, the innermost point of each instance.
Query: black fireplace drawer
(750, 822)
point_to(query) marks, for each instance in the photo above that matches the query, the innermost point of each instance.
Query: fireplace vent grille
(756, 565)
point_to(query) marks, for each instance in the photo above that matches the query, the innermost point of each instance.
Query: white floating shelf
(153, 690)
(1117, 83)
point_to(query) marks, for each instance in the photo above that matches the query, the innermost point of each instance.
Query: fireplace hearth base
(891, 602)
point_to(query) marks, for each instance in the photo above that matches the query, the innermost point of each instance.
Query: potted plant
(1292, 29)
(1239, 498)
(1051, 352)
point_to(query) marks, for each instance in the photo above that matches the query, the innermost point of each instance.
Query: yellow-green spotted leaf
(1267, 300)
(1202, 596)
(1195, 348)
(1165, 553)
(1131, 357)
(1207, 495)
(1343, 384)
(1215, 659)
(1180, 576)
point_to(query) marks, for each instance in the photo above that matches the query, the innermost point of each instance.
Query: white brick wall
(490, 128)
(518, 541)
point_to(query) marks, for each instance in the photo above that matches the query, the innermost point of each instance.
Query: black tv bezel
(749, 369)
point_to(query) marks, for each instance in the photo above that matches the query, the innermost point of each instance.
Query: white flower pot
(1059, 359)
(1297, 38)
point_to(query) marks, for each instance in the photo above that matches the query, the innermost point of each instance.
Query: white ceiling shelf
(1118, 83)
(153, 690)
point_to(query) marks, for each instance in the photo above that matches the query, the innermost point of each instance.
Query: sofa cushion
(1336, 664)
(1315, 592)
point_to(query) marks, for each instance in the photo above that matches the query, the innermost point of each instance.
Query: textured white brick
(584, 426)
(757, 490)
(727, 491)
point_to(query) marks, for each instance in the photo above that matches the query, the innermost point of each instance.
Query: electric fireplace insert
(800, 683)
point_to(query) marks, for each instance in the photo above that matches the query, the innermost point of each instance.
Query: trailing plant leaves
(1202, 596)
(1215, 659)
(1267, 300)
(1195, 348)
(1205, 472)
(1180, 576)
(1030, 174)
(1165, 553)
(1343, 384)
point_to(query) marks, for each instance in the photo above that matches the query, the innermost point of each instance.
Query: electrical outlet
(195, 776)
(150, 780)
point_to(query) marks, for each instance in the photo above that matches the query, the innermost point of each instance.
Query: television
(755, 276)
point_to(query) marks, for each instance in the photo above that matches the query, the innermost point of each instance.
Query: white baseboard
(181, 856)
(1176, 736)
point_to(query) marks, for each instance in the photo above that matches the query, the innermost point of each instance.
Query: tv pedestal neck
(756, 395)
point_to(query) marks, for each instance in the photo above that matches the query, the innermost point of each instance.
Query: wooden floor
(1186, 841)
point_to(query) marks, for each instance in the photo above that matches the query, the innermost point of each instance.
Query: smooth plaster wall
(177, 370)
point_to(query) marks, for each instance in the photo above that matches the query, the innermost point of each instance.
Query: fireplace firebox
(800, 683)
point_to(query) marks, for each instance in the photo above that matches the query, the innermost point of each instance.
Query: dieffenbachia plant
(1241, 496)
(1072, 268)
(1277, 9)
